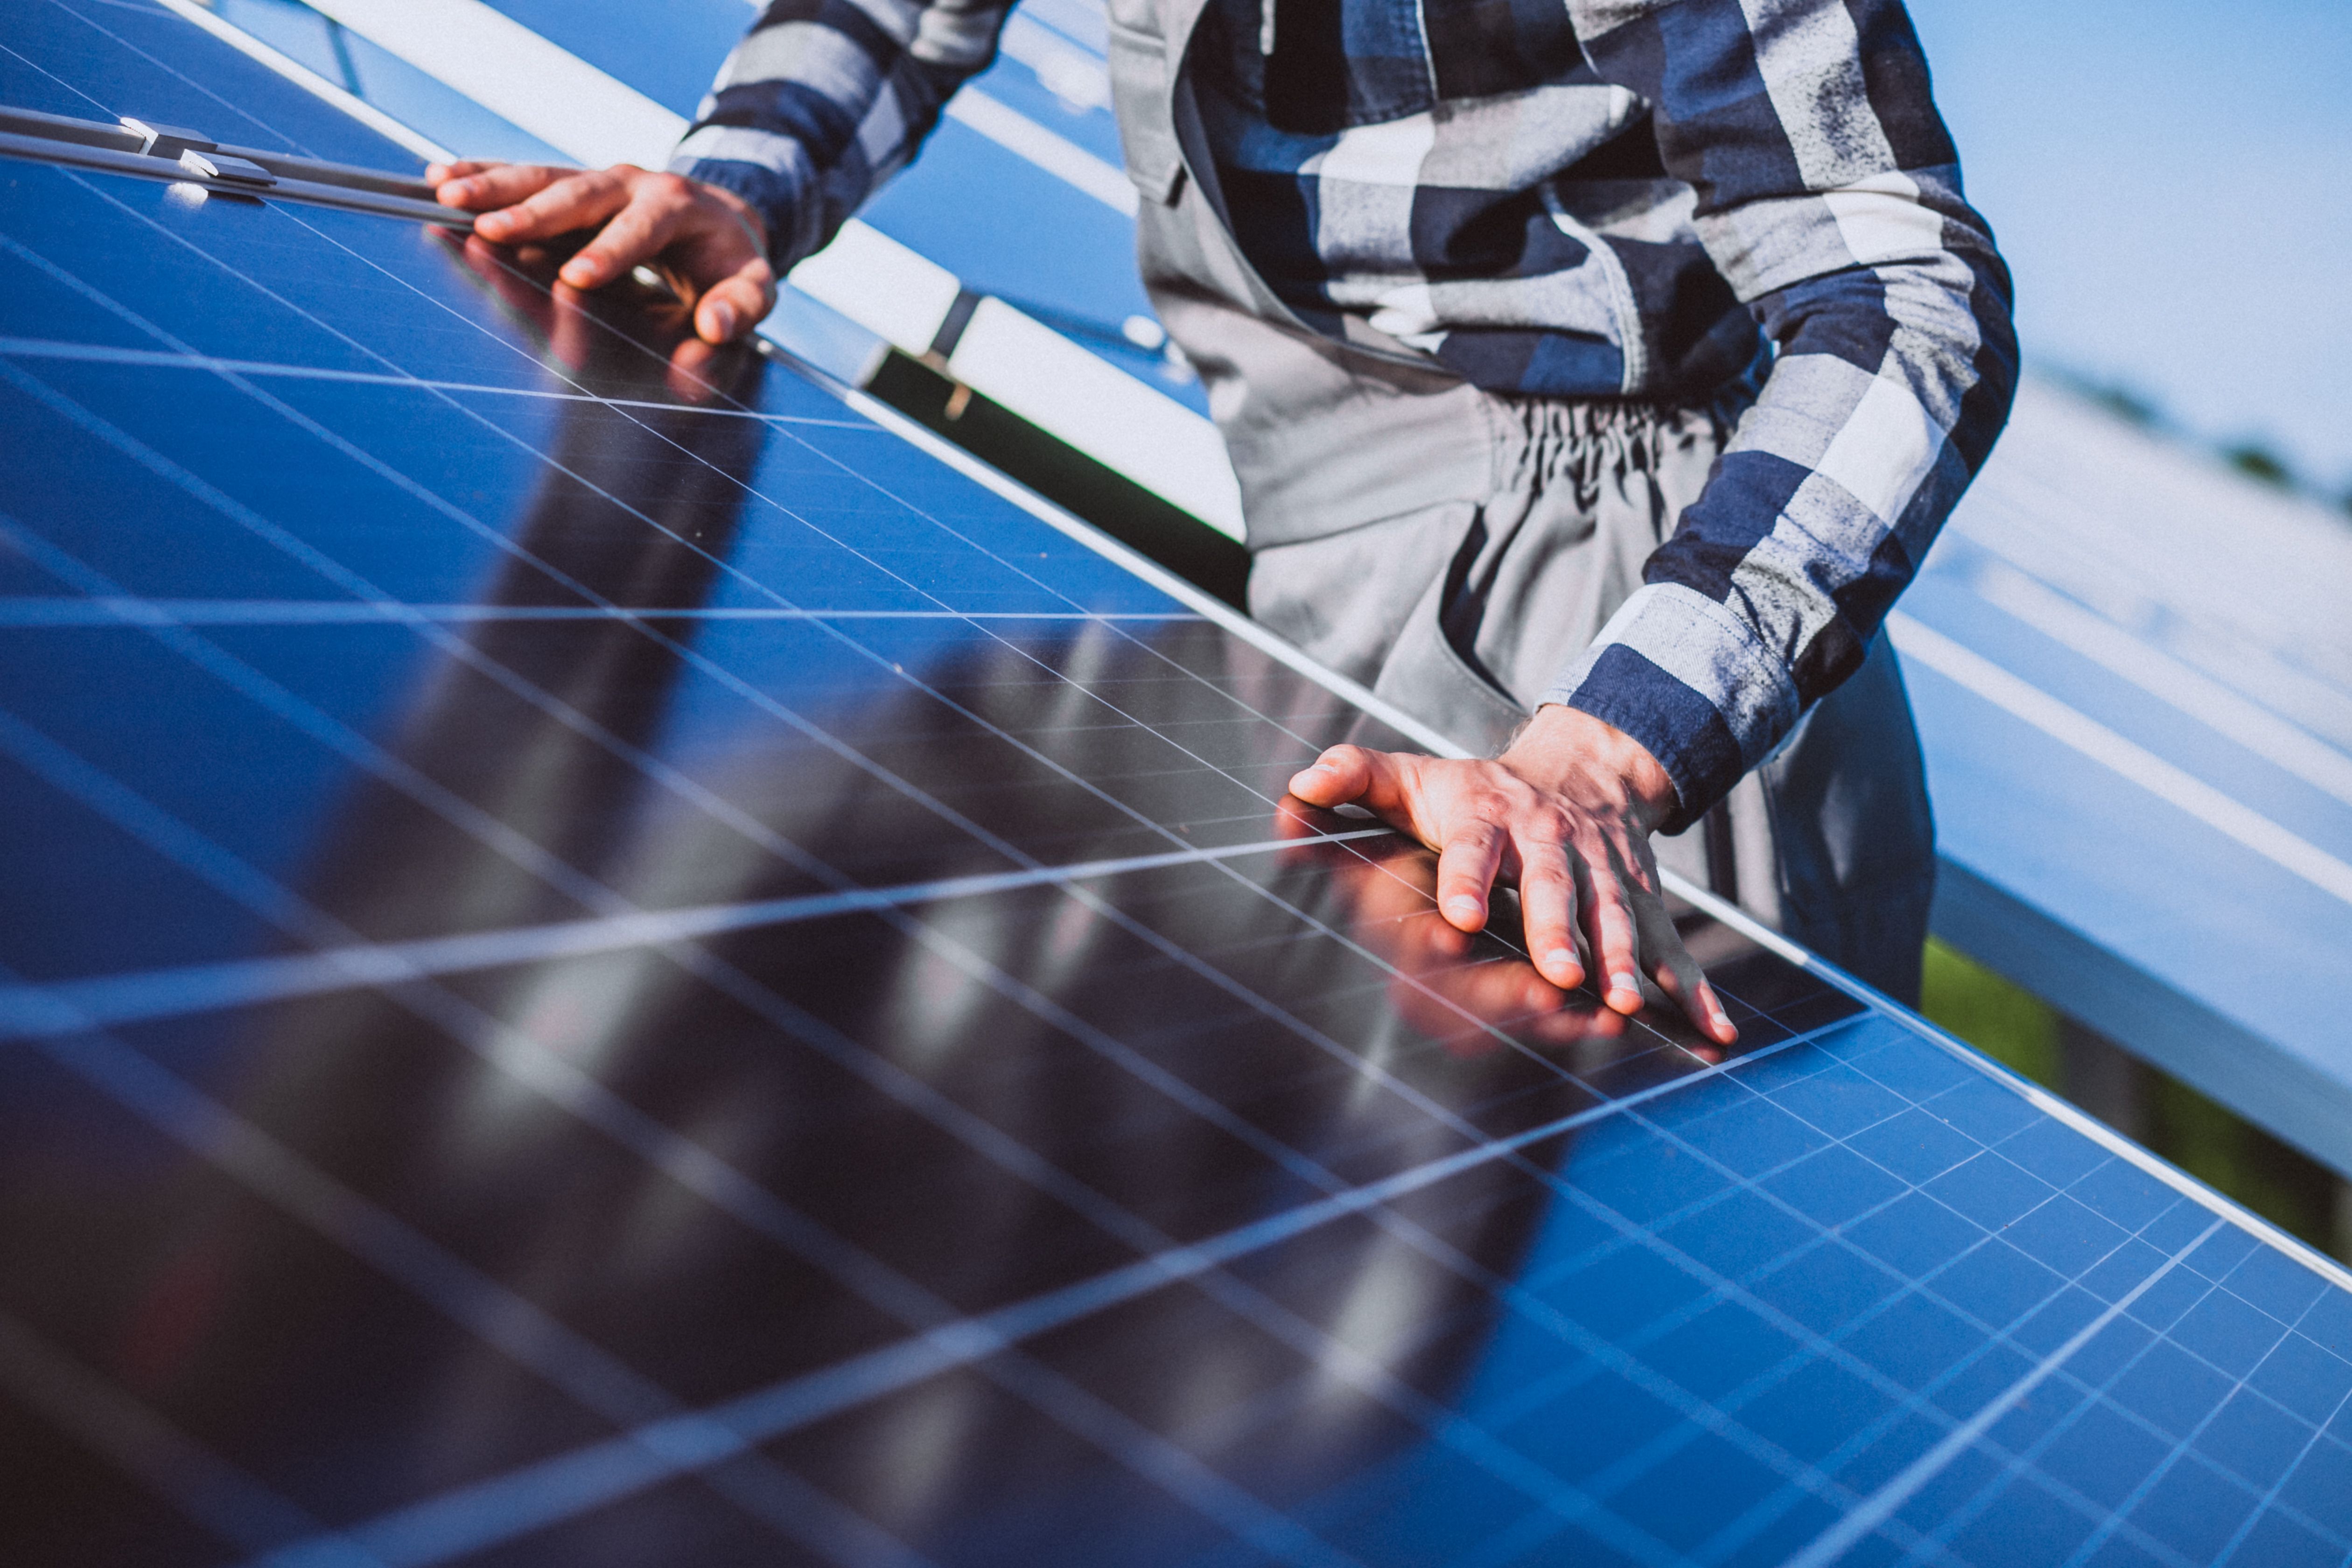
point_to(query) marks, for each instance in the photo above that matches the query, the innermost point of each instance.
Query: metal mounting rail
(152, 150)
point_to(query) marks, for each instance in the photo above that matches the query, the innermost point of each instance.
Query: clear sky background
(2172, 185)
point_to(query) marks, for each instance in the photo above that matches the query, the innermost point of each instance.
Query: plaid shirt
(1607, 198)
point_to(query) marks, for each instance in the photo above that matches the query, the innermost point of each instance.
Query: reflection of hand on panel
(582, 337)
(1447, 984)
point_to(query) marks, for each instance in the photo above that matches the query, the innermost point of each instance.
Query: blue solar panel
(607, 963)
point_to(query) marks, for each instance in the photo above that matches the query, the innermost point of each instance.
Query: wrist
(1570, 749)
(753, 221)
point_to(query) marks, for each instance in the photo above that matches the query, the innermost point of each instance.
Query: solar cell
(609, 962)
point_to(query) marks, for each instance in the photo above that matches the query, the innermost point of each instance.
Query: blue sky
(2172, 185)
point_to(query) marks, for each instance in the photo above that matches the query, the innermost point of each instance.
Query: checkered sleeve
(825, 99)
(1829, 195)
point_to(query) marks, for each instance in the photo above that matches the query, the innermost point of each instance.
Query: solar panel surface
(2077, 653)
(608, 963)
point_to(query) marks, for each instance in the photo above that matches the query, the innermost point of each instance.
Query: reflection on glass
(677, 1171)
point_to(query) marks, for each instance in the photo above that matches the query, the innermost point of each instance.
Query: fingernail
(1465, 906)
(722, 317)
(1560, 958)
(1624, 983)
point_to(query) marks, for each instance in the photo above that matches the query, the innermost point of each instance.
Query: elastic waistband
(1348, 463)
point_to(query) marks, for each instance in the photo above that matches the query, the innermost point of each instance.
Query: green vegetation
(2011, 1025)
(2260, 463)
(2254, 459)
(2226, 1152)
(2126, 404)
(2282, 1184)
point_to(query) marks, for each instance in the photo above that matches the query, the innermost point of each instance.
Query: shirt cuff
(770, 171)
(1688, 679)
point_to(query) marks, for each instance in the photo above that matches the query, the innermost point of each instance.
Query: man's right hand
(709, 242)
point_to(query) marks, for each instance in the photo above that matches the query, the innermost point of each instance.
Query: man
(1596, 374)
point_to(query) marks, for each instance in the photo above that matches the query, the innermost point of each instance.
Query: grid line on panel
(361, 752)
(683, 1159)
(476, 1303)
(35, 612)
(1880, 1506)
(478, 1515)
(240, 1510)
(2320, 1434)
(1152, 1457)
(2268, 1503)
(103, 353)
(440, 637)
(2091, 1507)
(424, 494)
(1812, 1344)
(274, 699)
(61, 82)
(466, 520)
(146, 996)
(949, 529)
(1906, 1402)
(169, 69)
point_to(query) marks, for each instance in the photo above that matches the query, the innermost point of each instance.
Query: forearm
(1829, 196)
(824, 102)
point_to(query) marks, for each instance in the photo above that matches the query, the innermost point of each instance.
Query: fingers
(1548, 909)
(731, 306)
(1579, 865)
(719, 250)
(1677, 974)
(1357, 774)
(1609, 928)
(440, 173)
(641, 227)
(1466, 868)
(479, 186)
(562, 207)
(712, 243)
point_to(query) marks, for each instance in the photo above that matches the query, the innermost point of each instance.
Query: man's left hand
(1566, 813)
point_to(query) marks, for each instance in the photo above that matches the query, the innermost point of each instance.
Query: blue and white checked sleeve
(825, 99)
(1829, 195)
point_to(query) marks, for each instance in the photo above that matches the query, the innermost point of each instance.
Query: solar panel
(609, 962)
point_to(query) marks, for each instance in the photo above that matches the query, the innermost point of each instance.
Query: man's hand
(708, 242)
(1566, 813)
